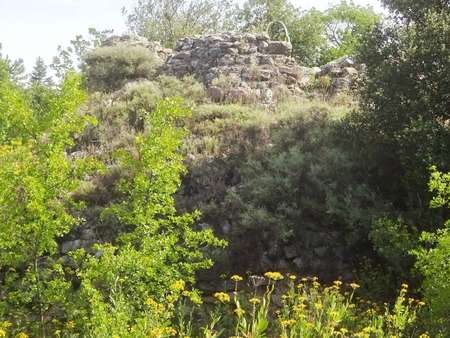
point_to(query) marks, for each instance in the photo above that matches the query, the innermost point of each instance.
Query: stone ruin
(234, 67)
(244, 67)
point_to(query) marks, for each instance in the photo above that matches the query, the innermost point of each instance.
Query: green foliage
(36, 180)
(284, 181)
(400, 129)
(393, 240)
(14, 68)
(72, 57)
(317, 37)
(39, 74)
(344, 25)
(167, 21)
(415, 9)
(109, 68)
(308, 309)
(256, 15)
(432, 260)
(158, 247)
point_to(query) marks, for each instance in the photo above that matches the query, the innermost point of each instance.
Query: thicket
(346, 178)
(99, 292)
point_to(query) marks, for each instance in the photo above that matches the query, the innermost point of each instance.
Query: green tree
(432, 260)
(72, 56)
(159, 247)
(317, 37)
(345, 24)
(39, 75)
(401, 128)
(415, 9)
(256, 15)
(168, 20)
(15, 68)
(36, 180)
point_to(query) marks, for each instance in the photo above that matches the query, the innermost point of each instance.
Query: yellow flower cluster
(222, 297)
(274, 276)
(179, 285)
(354, 286)
(236, 278)
(162, 332)
(287, 322)
(157, 307)
(239, 312)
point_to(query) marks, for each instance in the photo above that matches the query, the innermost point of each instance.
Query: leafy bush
(109, 68)
(393, 240)
(37, 178)
(188, 88)
(432, 260)
(285, 181)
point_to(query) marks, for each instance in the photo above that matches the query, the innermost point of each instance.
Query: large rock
(279, 48)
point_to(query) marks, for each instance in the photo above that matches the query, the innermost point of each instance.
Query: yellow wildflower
(22, 335)
(299, 307)
(195, 298)
(170, 331)
(255, 300)
(343, 330)
(304, 279)
(236, 278)
(239, 312)
(421, 303)
(292, 277)
(179, 285)
(222, 297)
(354, 286)
(337, 283)
(318, 306)
(316, 284)
(2, 333)
(274, 275)
(287, 322)
(70, 324)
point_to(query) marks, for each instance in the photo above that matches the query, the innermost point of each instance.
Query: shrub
(109, 68)
(188, 88)
(433, 260)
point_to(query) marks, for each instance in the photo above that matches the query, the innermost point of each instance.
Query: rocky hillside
(260, 154)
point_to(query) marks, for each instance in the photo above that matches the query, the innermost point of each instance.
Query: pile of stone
(238, 66)
(342, 73)
(243, 67)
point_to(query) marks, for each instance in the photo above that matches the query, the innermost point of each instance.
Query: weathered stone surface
(290, 251)
(279, 47)
(249, 58)
(71, 246)
(341, 71)
(299, 263)
(216, 94)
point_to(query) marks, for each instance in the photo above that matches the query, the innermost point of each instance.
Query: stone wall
(243, 67)
(238, 67)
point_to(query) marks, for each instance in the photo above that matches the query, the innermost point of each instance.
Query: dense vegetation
(131, 205)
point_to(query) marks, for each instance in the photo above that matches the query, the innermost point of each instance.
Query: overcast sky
(32, 28)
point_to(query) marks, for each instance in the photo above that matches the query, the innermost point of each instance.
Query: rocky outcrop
(238, 67)
(243, 67)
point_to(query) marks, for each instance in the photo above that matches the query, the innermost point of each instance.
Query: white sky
(32, 28)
